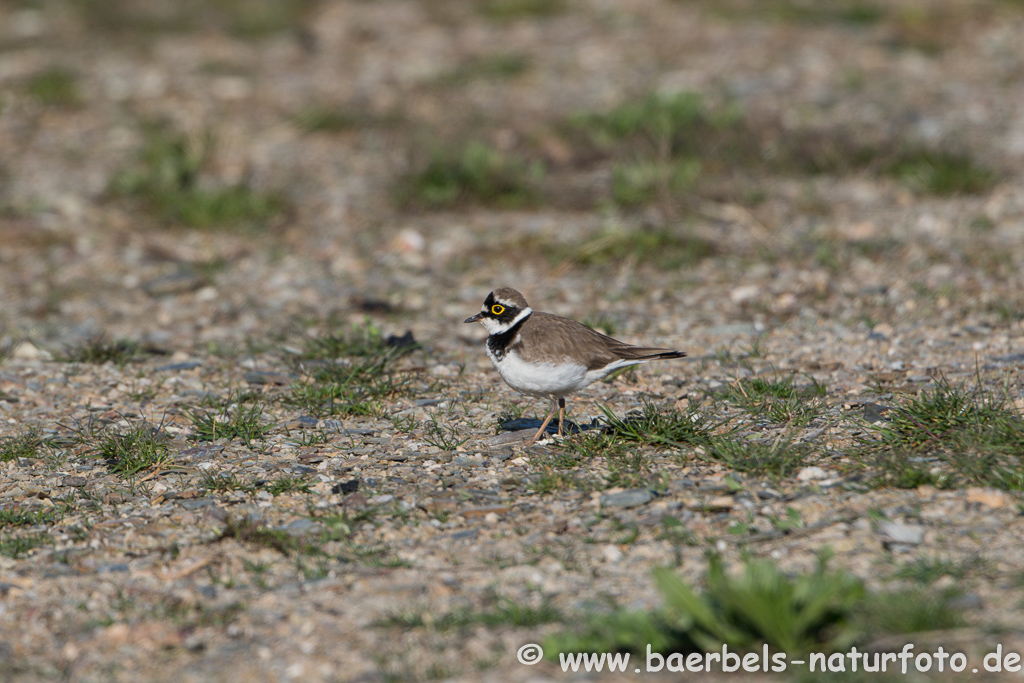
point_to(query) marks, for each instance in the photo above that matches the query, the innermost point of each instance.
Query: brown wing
(566, 338)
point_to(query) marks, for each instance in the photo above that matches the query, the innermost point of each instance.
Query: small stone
(350, 486)
(276, 378)
(506, 438)
(611, 553)
(987, 497)
(175, 283)
(627, 499)
(74, 481)
(439, 505)
(466, 535)
(720, 504)
(744, 293)
(29, 351)
(900, 533)
(965, 602)
(811, 473)
(501, 454)
(462, 461)
(299, 526)
(199, 503)
(176, 367)
(484, 511)
(874, 413)
(356, 500)
(884, 330)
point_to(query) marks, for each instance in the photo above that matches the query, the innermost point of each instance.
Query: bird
(548, 356)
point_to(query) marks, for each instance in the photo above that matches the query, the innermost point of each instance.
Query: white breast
(541, 379)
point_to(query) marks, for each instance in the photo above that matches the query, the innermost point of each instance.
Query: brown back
(548, 337)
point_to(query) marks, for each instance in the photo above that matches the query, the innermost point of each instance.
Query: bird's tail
(645, 353)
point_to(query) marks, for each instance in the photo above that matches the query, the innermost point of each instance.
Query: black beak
(473, 318)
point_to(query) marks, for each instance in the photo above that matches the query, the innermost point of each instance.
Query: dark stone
(966, 601)
(627, 499)
(405, 342)
(175, 367)
(874, 413)
(350, 486)
(197, 503)
(277, 378)
(466, 535)
(200, 452)
(180, 282)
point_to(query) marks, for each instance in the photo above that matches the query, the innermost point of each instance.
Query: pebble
(811, 473)
(176, 367)
(719, 504)
(506, 438)
(627, 499)
(992, 498)
(898, 533)
(611, 553)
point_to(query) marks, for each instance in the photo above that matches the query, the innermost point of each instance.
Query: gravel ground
(860, 234)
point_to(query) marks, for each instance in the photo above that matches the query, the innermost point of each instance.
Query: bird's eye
(497, 309)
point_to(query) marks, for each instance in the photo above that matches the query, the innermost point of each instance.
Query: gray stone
(299, 526)
(277, 378)
(175, 367)
(966, 601)
(627, 499)
(900, 533)
(506, 438)
(197, 503)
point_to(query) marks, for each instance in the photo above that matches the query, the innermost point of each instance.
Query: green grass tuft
(776, 459)
(778, 398)
(672, 427)
(20, 516)
(171, 183)
(349, 373)
(502, 66)
(948, 436)
(55, 87)
(99, 350)
(233, 419)
(940, 173)
(820, 611)
(473, 174)
(17, 547)
(24, 445)
(139, 448)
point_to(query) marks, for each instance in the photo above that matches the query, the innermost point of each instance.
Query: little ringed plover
(548, 356)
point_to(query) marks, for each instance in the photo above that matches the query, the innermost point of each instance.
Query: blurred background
(193, 174)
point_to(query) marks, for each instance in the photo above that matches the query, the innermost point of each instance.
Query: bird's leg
(561, 413)
(544, 425)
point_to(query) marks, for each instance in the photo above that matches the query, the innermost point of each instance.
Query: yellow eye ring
(497, 309)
